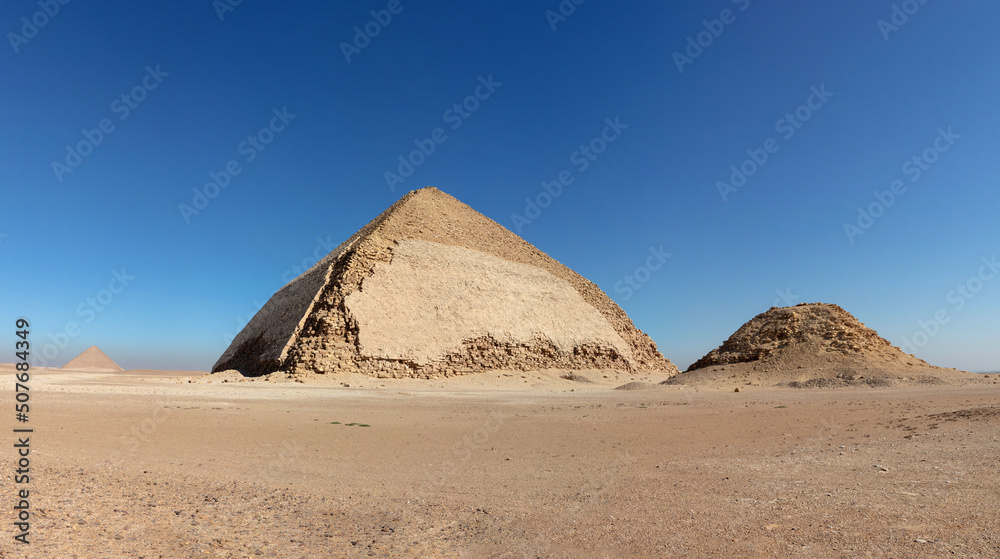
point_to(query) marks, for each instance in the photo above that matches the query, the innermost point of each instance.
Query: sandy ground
(134, 465)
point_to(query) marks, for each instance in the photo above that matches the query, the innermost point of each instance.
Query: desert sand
(150, 464)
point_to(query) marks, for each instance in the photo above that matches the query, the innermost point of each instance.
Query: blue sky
(93, 182)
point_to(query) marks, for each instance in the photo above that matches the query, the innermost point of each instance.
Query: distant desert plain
(506, 464)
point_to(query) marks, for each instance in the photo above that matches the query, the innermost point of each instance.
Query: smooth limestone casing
(432, 297)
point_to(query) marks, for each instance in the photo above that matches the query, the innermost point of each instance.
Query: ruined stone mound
(808, 327)
(808, 342)
(92, 359)
(432, 288)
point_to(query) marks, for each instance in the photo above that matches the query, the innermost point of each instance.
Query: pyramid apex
(427, 191)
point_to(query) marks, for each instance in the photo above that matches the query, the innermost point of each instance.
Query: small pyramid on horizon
(430, 288)
(92, 359)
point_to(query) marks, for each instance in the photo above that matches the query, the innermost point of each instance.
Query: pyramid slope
(312, 323)
(809, 340)
(432, 297)
(92, 359)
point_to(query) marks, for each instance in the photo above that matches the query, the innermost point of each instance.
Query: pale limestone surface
(432, 297)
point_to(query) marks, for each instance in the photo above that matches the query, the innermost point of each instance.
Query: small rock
(737, 389)
(920, 541)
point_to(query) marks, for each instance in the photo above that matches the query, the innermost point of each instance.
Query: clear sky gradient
(117, 114)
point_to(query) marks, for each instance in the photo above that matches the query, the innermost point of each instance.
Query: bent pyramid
(810, 340)
(92, 359)
(433, 288)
